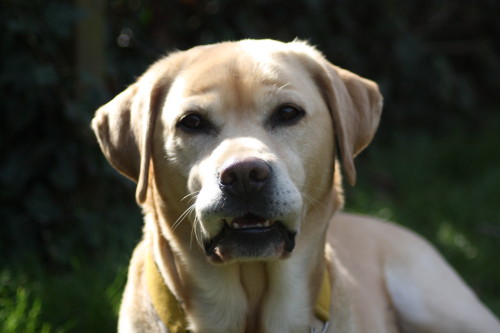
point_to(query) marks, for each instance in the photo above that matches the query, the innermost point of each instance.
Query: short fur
(384, 278)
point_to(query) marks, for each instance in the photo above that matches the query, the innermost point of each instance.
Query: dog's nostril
(227, 177)
(244, 176)
(260, 173)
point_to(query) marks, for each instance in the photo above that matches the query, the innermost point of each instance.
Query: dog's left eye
(287, 115)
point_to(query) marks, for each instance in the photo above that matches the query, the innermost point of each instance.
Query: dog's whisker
(191, 236)
(313, 187)
(190, 195)
(181, 218)
(197, 234)
(193, 232)
(314, 202)
(310, 199)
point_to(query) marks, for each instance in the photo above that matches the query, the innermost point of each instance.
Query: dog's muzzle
(251, 226)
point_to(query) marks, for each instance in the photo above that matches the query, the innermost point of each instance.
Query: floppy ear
(124, 127)
(356, 105)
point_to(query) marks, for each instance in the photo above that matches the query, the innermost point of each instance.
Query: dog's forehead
(238, 69)
(230, 67)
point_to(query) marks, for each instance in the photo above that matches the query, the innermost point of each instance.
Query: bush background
(69, 222)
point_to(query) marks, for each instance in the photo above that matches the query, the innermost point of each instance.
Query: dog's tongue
(249, 221)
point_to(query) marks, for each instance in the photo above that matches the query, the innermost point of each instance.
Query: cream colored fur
(384, 278)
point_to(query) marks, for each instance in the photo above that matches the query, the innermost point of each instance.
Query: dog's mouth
(250, 237)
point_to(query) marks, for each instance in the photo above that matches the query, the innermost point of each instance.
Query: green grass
(446, 189)
(19, 309)
(84, 299)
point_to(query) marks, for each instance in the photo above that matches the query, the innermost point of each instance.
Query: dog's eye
(287, 115)
(192, 122)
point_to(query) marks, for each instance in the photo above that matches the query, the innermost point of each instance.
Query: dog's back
(394, 275)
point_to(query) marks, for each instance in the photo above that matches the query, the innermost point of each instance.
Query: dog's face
(238, 127)
(241, 136)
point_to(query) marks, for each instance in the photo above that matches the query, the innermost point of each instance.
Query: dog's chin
(252, 242)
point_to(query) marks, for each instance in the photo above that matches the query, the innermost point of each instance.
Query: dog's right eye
(193, 122)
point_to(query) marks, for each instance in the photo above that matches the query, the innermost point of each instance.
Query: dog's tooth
(264, 224)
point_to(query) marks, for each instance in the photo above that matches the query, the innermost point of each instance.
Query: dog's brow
(202, 90)
(280, 88)
(208, 88)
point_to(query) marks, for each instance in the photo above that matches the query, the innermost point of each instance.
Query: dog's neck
(240, 297)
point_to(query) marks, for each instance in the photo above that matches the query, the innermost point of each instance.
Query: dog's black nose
(244, 177)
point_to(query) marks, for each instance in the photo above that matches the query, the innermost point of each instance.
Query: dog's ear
(124, 126)
(356, 105)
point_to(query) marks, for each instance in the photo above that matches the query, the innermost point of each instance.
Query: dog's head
(239, 139)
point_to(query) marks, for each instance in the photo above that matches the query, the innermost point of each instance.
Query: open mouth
(250, 237)
(249, 221)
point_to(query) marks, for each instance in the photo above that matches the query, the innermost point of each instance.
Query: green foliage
(51, 164)
(19, 310)
(69, 220)
(435, 60)
(82, 299)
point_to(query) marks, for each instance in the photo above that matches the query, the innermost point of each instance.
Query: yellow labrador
(233, 149)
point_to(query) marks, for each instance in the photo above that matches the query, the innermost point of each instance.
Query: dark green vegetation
(69, 222)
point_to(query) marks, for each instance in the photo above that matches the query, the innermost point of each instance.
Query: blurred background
(68, 221)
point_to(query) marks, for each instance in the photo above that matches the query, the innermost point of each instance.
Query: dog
(238, 151)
